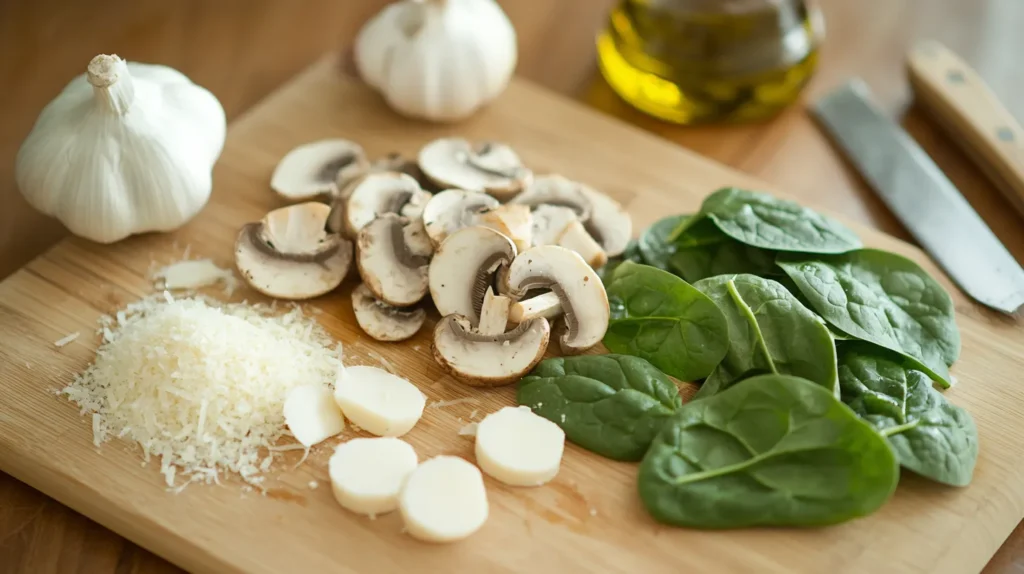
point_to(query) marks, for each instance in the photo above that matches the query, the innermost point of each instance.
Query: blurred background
(242, 50)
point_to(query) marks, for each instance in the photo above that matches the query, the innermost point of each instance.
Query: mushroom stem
(546, 305)
(575, 237)
(493, 314)
(294, 233)
(336, 218)
(512, 221)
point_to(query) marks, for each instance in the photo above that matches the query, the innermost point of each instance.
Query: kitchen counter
(224, 46)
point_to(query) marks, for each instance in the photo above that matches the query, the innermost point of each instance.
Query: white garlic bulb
(439, 60)
(123, 149)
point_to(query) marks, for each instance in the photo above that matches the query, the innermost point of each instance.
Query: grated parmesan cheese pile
(201, 385)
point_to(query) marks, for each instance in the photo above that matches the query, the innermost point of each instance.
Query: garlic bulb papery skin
(125, 148)
(439, 60)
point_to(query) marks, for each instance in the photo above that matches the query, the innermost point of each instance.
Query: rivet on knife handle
(971, 112)
(921, 196)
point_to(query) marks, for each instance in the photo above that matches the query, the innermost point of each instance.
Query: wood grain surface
(588, 519)
(243, 49)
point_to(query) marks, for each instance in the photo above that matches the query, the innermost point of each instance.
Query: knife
(921, 196)
(966, 107)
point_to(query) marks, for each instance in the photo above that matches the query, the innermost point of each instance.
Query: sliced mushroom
(558, 225)
(489, 360)
(493, 314)
(463, 268)
(392, 162)
(575, 237)
(580, 292)
(555, 190)
(416, 238)
(452, 210)
(602, 217)
(312, 170)
(382, 321)
(336, 218)
(290, 255)
(546, 305)
(488, 167)
(379, 193)
(389, 269)
(550, 221)
(609, 224)
(402, 164)
(512, 221)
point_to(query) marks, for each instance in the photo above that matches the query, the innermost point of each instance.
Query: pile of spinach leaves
(817, 358)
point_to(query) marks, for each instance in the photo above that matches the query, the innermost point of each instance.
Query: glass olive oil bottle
(698, 61)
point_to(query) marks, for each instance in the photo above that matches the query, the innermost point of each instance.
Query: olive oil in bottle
(699, 61)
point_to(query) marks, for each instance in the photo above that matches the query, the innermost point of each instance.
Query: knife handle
(967, 108)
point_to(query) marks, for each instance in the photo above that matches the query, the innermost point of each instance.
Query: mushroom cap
(312, 169)
(462, 268)
(609, 223)
(416, 238)
(389, 269)
(289, 254)
(602, 216)
(488, 167)
(392, 162)
(382, 321)
(579, 289)
(400, 163)
(489, 360)
(378, 193)
(556, 190)
(452, 210)
(550, 222)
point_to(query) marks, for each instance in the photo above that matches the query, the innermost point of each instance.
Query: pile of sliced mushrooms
(502, 253)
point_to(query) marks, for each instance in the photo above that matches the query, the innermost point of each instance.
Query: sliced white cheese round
(367, 473)
(443, 500)
(379, 402)
(518, 447)
(312, 414)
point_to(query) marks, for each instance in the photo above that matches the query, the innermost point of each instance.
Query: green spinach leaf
(930, 435)
(654, 244)
(836, 333)
(660, 317)
(700, 234)
(770, 331)
(882, 298)
(772, 450)
(702, 251)
(761, 220)
(725, 257)
(613, 405)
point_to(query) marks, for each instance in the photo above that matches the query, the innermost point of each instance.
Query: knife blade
(921, 197)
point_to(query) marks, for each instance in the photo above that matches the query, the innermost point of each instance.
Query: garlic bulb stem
(112, 84)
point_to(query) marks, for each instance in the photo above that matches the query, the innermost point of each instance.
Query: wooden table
(242, 49)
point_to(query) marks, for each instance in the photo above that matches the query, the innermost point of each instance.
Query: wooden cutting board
(589, 519)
